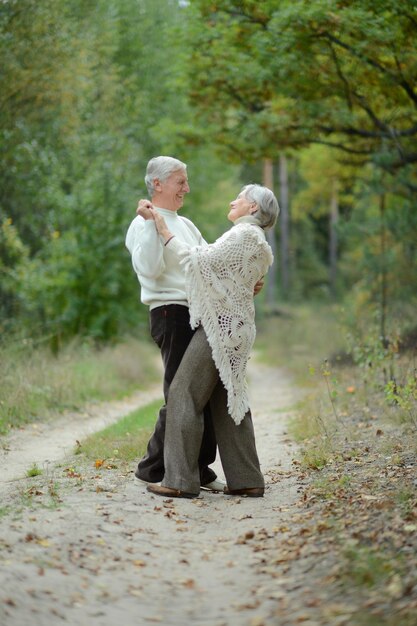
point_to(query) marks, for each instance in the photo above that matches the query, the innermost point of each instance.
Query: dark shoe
(142, 480)
(167, 492)
(251, 492)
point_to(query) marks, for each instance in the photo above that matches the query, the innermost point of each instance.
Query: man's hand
(258, 287)
(145, 209)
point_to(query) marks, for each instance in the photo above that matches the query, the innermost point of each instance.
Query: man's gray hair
(161, 167)
(268, 208)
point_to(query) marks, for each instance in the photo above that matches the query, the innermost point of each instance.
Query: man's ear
(157, 184)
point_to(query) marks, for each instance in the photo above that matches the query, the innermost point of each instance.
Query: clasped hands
(145, 209)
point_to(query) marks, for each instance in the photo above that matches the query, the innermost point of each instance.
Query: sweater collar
(166, 212)
(247, 219)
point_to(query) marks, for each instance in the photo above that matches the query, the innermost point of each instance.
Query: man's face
(170, 192)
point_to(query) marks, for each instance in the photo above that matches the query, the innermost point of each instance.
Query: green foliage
(405, 396)
(88, 99)
(279, 76)
(284, 74)
(13, 263)
(92, 90)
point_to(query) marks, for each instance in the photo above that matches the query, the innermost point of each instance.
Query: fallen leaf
(410, 528)
(248, 605)
(135, 592)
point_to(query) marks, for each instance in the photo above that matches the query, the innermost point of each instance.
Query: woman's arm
(144, 243)
(161, 226)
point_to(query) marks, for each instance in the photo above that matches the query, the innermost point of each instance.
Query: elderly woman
(220, 282)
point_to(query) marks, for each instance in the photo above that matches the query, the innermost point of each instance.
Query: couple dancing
(202, 318)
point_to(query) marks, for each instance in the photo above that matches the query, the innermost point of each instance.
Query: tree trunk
(284, 225)
(268, 181)
(383, 237)
(333, 242)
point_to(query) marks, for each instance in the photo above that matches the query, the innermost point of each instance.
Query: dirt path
(44, 443)
(96, 548)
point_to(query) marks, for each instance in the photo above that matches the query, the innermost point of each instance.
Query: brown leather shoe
(250, 492)
(167, 492)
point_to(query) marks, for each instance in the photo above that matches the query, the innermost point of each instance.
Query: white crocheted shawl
(220, 279)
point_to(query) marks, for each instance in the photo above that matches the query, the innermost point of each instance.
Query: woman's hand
(258, 287)
(144, 209)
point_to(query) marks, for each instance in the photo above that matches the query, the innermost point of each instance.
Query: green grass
(365, 618)
(368, 566)
(34, 383)
(126, 439)
(301, 337)
(4, 510)
(33, 471)
(304, 423)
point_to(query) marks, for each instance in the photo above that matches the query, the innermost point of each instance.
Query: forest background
(316, 98)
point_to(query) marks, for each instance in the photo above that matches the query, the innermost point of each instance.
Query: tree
(281, 73)
(89, 89)
(266, 77)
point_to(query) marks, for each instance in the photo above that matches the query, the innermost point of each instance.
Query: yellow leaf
(43, 542)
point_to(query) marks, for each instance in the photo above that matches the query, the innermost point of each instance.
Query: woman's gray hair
(268, 209)
(161, 167)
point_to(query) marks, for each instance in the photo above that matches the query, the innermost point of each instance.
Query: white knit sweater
(220, 280)
(158, 269)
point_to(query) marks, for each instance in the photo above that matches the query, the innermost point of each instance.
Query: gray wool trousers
(197, 382)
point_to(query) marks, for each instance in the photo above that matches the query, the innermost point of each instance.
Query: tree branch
(341, 75)
(341, 146)
(409, 17)
(254, 107)
(402, 82)
(249, 18)
(386, 134)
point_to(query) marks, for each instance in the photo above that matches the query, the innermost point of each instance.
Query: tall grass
(34, 382)
(300, 337)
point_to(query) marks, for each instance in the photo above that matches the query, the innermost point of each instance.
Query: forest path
(107, 551)
(44, 443)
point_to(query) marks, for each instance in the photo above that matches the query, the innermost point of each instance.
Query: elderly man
(163, 290)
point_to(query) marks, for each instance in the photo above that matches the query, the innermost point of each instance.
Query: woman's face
(240, 207)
